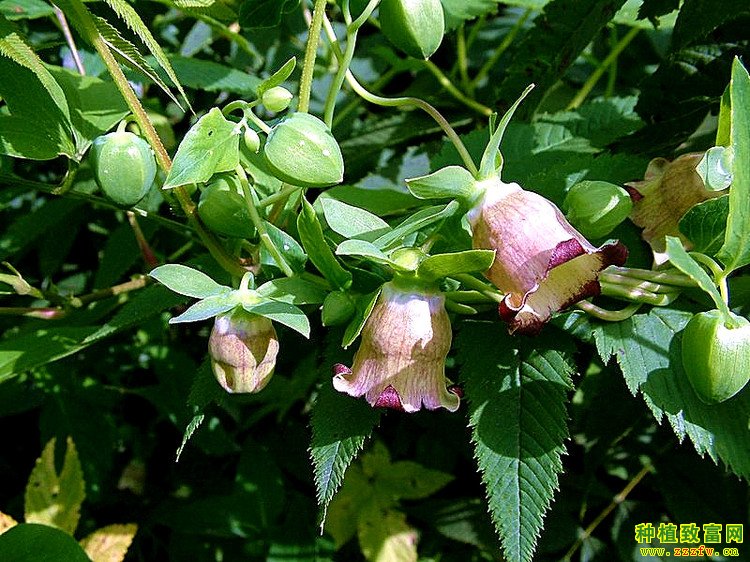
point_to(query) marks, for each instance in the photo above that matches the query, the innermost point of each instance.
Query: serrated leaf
(259, 14)
(131, 18)
(735, 252)
(211, 146)
(697, 18)
(417, 221)
(340, 427)
(655, 370)
(213, 77)
(110, 543)
(314, 242)
(55, 499)
(449, 182)
(352, 222)
(207, 308)
(517, 403)
(385, 536)
(705, 224)
(283, 313)
(128, 54)
(544, 54)
(189, 430)
(278, 77)
(685, 263)
(187, 281)
(25, 9)
(445, 265)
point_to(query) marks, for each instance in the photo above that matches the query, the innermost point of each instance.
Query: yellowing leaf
(384, 535)
(110, 543)
(53, 499)
(344, 509)
(6, 522)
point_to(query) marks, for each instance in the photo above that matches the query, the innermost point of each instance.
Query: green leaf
(187, 281)
(352, 222)
(278, 77)
(210, 76)
(385, 536)
(283, 313)
(129, 54)
(340, 426)
(697, 18)
(409, 480)
(735, 252)
(293, 290)
(258, 14)
(189, 430)
(289, 248)
(29, 542)
(705, 224)
(544, 54)
(363, 249)
(37, 127)
(517, 403)
(449, 182)
(212, 145)
(419, 220)
(685, 263)
(131, 18)
(655, 370)
(311, 235)
(724, 127)
(445, 265)
(492, 159)
(25, 9)
(207, 308)
(458, 11)
(381, 202)
(55, 499)
(365, 304)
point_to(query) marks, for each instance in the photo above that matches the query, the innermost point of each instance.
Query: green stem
(501, 48)
(260, 226)
(632, 283)
(669, 276)
(401, 102)
(383, 80)
(612, 74)
(609, 315)
(597, 74)
(225, 260)
(461, 59)
(311, 51)
(446, 83)
(473, 283)
(637, 295)
(280, 195)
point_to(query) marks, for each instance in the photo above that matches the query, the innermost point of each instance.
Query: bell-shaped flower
(667, 192)
(542, 263)
(400, 363)
(243, 348)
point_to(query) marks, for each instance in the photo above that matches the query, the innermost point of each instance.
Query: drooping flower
(243, 349)
(542, 263)
(661, 199)
(400, 363)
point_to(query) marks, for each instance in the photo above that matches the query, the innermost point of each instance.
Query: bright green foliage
(705, 224)
(517, 414)
(414, 26)
(124, 167)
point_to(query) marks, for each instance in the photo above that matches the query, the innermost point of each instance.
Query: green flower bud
(301, 150)
(243, 349)
(716, 357)
(414, 26)
(124, 167)
(223, 209)
(276, 99)
(595, 208)
(252, 140)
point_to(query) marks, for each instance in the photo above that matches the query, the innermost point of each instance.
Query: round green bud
(252, 140)
(124, 167)
(595, 208)
(301, 150)
(414, 26)
(715, 356)
(222, 207)
(276, 99)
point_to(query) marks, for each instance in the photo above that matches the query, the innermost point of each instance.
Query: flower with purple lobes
(400, 363)
(542, 263)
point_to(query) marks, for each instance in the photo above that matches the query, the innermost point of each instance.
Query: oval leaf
(449, 182)
(445, 265)
(206, 308)
(283, 313)
(187, 281)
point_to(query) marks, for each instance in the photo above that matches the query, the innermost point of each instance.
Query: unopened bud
(276, 99)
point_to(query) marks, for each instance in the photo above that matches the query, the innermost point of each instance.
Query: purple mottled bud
(243, 350)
